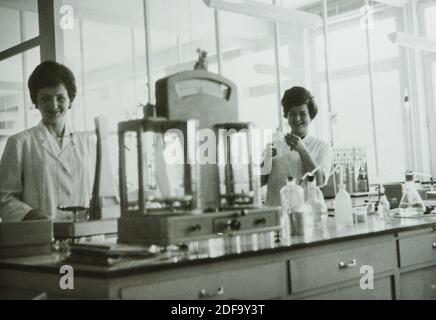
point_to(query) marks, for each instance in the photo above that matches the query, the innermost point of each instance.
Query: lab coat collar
(307, 138)
(48, 142)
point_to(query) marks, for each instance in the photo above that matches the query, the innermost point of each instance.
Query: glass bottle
(384, 208)
(317, 209)
(343, 205)
(411, 203)
(292, 202)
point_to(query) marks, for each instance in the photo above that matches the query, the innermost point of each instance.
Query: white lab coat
(288, 163)
(35, 173)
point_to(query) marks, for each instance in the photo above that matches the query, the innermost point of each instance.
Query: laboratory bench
(325, 263)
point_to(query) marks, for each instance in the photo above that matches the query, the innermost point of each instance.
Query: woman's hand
(295, 142)
(266, 165)
(268, 153)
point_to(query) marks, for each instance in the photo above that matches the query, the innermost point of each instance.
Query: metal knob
(343, 265)
(205, 294)
(197, 227)
(259, 221)
(234, 225)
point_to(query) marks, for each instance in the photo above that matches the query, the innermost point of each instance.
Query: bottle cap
(310, 178)
(290, 178)
(409, 176)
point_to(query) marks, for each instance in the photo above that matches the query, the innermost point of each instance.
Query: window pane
(10, 21)
(249, 61)
(31, 25)
(318, 68)
(430, 22)
(388, 102)
(350, 92)
(381, 46)
(13, 85)
(352, 103)
(105, 50)
(348, 46)
(176, 34)
(432, 114)
(390, 127)
(33, 59)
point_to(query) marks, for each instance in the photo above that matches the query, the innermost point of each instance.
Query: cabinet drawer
(247, 222)
(382, 290)
(190, 228)
(264, 221)
(417, 249)
(258, 282)
(323, 269)
(419, 284)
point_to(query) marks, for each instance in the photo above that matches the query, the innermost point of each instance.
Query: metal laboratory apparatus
(100, 219)
(169, 195)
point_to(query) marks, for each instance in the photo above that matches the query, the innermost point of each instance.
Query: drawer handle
(343, 265)
(259, 221)
(197, 227)
(205, 294)
(434, 245)
(233, 225)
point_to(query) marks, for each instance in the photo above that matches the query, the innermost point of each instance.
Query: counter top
(219, 249)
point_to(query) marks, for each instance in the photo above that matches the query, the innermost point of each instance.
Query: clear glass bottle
(384, 208)
(315, 204)
(292, 202)
(411, 203)
(277, 143)
(343, 205)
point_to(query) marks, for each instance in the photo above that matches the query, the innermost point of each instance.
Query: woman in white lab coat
(48, 166)
(300, 152)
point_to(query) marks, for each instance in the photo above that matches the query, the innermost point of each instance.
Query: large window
(18, 22)
(20, 19)
(368, 105)
(388, 83)
(249, 61)
(427, 15)
(176, 35)
(350, 92)
(106, 51)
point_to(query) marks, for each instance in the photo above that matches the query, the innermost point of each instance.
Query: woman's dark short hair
(50, 74)
(297, 96)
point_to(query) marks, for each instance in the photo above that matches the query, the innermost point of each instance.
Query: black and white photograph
(235, 151)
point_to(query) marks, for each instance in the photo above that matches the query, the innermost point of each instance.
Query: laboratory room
(218, 149)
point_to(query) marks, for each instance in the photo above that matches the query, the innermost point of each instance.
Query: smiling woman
(48, 166)
(52, 89)
(301, 152)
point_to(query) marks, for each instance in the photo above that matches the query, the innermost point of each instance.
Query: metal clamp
(343, 265)
(205, 294)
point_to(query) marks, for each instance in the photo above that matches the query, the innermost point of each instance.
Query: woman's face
(53, 103)
(299, 120)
